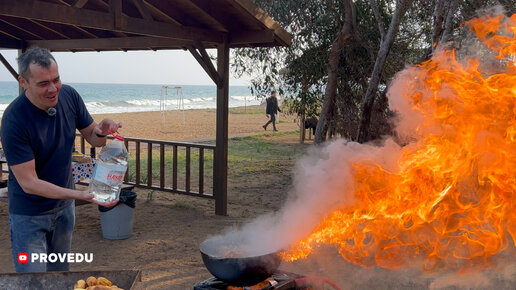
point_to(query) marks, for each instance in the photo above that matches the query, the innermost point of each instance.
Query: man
(271, 110)
(38, 133)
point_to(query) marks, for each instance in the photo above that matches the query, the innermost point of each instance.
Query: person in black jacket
(271, 110)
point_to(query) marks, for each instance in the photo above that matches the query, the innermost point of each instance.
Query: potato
(91, 281)
(103, 281)
(101, 287)
(81, 284)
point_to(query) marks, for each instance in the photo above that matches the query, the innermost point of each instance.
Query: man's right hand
(87, 196)
(267, 115)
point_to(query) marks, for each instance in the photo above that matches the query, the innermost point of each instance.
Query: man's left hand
(106, 127)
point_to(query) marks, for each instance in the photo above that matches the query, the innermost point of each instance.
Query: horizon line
(151, 84)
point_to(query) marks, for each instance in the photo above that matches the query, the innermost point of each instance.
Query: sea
(123, 98)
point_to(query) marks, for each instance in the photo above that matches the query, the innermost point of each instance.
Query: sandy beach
(198, 125)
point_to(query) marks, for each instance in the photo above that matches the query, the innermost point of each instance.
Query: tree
(367, 104)
(333, 66)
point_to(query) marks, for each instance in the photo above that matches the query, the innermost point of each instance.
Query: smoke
(323, 181)
(489, 279)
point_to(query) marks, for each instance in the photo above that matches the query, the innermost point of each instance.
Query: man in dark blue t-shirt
(38, 134)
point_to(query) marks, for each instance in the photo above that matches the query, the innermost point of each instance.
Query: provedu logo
(53, 257)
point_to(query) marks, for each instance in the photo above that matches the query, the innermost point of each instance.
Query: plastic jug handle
(116, 135)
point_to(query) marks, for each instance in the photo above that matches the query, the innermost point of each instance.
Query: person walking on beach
(271, 110)
(38, 134)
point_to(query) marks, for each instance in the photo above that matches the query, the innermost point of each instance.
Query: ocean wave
(244, 98)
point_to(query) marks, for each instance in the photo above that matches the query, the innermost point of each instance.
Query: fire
(452, 201)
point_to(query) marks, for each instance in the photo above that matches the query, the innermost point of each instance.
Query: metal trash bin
(117, 221)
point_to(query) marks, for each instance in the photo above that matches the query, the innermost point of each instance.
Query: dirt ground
(168, 229)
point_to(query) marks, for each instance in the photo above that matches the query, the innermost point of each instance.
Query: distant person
(271, 110)
(38, 134)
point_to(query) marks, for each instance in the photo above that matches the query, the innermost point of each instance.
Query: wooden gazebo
(122, 25)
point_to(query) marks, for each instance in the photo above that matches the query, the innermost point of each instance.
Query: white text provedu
(61, 257)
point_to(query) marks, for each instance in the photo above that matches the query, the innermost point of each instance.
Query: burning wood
(452, 199)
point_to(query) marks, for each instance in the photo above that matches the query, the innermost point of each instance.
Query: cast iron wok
(241, 271)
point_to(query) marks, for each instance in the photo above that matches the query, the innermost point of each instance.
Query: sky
(163, 67)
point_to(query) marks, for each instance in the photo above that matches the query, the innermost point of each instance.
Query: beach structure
(122, 25)
(166, 101)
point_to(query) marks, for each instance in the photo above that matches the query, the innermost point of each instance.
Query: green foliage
(299, 72)
(314, 26)
(150, 194)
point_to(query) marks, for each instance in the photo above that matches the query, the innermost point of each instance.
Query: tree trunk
(444, 12)
(385, 47)
(333, 66)
(442, 25)
(439, 15)
(452, 6)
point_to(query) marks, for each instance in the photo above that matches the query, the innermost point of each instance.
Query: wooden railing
(174, 171)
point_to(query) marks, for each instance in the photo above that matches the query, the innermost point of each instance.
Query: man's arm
(29, 181)
(96, 134)
(276, 104)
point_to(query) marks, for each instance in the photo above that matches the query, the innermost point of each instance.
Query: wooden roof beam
(11, 43)
(49, 29)
(27, 34)
(144, 11)
(247, 6)
(115, 43)
(100, 20)
(79, 3)
(160, 13)
(115, 8)
(199, 53)
(84, 31)
(9, 67)
(202, 11)
(253, 36)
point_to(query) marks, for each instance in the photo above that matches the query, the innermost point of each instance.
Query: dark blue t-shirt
(30, 133)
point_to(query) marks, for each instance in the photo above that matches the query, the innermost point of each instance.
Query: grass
(248, 110)
(246, 156)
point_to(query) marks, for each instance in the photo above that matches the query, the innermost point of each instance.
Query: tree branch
(379, 21)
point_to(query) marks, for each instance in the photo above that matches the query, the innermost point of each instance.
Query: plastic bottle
(109, 172)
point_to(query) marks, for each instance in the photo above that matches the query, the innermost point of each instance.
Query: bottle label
(110, 174)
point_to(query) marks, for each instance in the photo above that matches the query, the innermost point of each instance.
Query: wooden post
(20, 88)
(9, 67)
(220, 174)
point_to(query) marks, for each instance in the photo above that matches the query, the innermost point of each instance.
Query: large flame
(452, 201)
